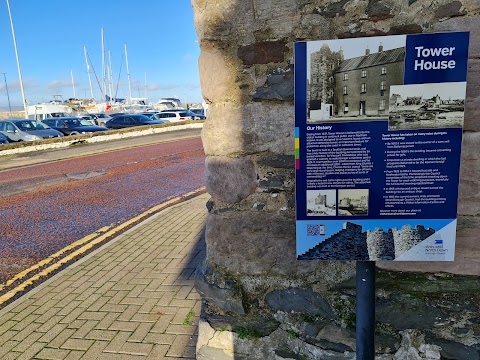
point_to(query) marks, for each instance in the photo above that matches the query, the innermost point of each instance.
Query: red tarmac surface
(44, 208)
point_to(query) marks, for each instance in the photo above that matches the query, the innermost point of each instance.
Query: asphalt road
(46, 206)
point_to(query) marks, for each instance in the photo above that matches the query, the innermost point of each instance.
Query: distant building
(396, 100)
(321, 200)
(345, 203)
(413, 100)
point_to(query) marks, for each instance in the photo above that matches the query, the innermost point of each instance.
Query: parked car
(197, 116)
(4, 138)
(198, 111)
(176, 116)
(153, 115)
(129, 120)
(73, 125)
(175, 110)
(101, 118)
(27, 130)
(92, 119)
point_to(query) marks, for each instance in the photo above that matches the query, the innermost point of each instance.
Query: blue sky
(160, 36)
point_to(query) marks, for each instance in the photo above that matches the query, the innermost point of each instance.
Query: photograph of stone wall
(351, 243)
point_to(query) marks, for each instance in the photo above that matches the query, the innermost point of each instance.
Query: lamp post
(18, 62)
(8, 95)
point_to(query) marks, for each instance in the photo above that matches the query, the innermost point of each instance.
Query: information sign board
(378, 134)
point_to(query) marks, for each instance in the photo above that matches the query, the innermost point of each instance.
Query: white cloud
(57, 86)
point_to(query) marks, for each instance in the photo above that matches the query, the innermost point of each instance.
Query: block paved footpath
(133, 298)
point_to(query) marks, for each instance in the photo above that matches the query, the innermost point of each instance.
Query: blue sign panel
(378, 133)
(436, 58)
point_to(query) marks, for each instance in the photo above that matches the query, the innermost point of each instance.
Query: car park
(175, 116)
(130, 120)
(27, 130)
(73, 125)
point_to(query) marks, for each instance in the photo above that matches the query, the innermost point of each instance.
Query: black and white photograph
(350, 79)
(425, 106)
(353, 202)
(321, 203)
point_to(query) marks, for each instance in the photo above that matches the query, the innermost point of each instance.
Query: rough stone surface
(469, 189)
(472, 101)
(263, 53)
(247, 129)
(449, 10)
(237, 241)
(279, 86)
(454, 350)
(299, 300)
(230, 179)
(377, 11)
(215, 88)
(465, 23)
(334, 9)
(225, 297)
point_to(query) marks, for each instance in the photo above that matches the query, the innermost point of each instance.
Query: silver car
(27, 130)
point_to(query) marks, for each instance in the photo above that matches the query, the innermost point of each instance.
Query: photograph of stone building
(350, 79)
(426, 106)
(321, 203)
(353, 202)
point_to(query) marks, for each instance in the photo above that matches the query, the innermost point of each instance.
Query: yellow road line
(88, 242)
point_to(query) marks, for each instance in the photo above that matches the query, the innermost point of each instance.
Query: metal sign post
(365, 310)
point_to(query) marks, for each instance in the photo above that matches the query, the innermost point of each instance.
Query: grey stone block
(230, 179)
(304, 301)
(227, 297)
(252, 242)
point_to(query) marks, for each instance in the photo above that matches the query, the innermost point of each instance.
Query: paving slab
(132, 298)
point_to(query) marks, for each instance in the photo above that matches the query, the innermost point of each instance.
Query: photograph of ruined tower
(351, 243)
(351, 81)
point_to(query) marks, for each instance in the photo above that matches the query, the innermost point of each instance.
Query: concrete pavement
(133, 298)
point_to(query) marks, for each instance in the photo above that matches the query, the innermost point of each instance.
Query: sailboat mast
(110, 79)
(103, 65)
(18, 62)
(88, 71)
(128, 75)
(145, 84)
(73, 84)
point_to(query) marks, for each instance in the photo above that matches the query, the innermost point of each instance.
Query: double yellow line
(82, 245)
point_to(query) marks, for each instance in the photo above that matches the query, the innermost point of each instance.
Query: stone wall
(380, 245)
(259, 302)
(407, 237)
